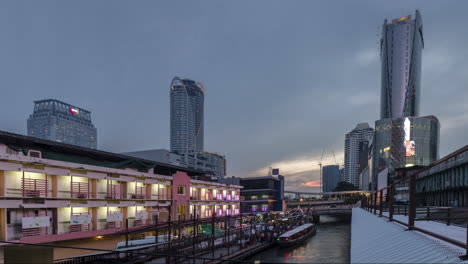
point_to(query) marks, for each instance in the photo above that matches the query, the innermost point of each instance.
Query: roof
(375, 240)
(296, 230)
(71, 153)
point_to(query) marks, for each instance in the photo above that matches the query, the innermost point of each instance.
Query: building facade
(331, 177)
(51, 191)
(187, 116)
(445, 181)
(356, 152)
(262, 194)
(401, 52)
(405, 142)
(58, 121)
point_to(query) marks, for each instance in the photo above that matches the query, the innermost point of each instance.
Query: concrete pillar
(54, 181)
(2, 183)
(3, 224)
(94, 188)
(94, 219)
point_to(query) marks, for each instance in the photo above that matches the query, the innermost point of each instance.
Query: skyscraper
(400, 52)
(331, 177)
(356, 143)
(58, 121)
(402, 138)
(187, 111)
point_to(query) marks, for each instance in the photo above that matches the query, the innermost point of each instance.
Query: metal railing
(384, 204)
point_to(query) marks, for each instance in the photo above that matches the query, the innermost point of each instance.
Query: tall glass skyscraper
(402, 138)
(58, 121)
(187, 111)
(400, 52)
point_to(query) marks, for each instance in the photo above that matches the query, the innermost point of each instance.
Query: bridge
(295, 195)
(310, 203)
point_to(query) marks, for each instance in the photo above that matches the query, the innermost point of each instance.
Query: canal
(331, 244)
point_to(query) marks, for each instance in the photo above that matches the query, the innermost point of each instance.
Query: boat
(297, 235)
(149, 240)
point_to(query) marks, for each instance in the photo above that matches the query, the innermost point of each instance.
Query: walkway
(375, 240)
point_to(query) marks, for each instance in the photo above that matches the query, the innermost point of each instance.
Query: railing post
(390, 202)
(380, 202)
(412, 201)
(448, 217)
(466, 241)
(375, 202)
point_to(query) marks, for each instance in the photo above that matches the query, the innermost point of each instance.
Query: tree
(345, 186)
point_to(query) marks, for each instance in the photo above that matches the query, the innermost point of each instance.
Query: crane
(320, 164)
(334, 157)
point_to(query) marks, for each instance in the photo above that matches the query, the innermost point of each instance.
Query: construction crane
(334, 157)
(320, 164)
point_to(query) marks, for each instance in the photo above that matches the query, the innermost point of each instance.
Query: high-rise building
(58, 121)
(331, 177)
(405, 142)
(402, 138)
(187, 111)
(400, 52)
(355, 150)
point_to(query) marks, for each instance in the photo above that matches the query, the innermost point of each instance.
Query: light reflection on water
(331, 244)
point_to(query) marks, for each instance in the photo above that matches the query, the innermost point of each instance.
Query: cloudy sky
(284, 80)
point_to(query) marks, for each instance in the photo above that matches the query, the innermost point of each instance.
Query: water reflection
(331, 244)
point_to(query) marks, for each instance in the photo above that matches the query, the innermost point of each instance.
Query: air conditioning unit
(81, 195)
(35, 154)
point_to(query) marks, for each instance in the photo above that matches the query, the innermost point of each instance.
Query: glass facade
(58, 121)
(401, 51)
(405, 142)
(331, 177)
(187, 111)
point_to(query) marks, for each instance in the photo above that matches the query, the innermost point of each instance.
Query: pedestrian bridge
(304, 203)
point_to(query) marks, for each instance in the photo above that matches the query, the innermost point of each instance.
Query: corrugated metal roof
(375, 240)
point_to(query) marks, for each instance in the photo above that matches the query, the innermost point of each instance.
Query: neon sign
(74, 110)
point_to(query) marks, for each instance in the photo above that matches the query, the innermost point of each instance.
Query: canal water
(331, 244)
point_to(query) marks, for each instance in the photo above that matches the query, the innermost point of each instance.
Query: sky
(284, 80)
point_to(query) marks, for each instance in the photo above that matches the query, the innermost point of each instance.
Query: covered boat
(297, 235)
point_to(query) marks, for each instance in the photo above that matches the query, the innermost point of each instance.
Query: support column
(94, 188)
(3, 224)
(54, 179)
(94, 219)
(2, 183)
(125, 214)
(149, 221)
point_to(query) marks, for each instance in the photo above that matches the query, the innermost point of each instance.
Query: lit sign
(74, 110)
(407, 126)
(410, 148)
(409, 144)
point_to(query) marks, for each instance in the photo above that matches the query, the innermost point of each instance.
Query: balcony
(34, 187)
(114, 191)
(80, 190)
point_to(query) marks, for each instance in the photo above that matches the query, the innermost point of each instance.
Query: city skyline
(260, 91)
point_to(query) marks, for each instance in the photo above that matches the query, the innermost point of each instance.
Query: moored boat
(296, 235)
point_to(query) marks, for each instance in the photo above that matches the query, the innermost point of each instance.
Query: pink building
(52, 191)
